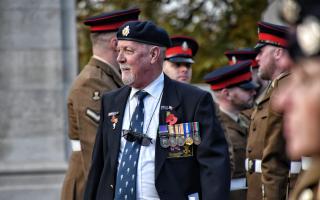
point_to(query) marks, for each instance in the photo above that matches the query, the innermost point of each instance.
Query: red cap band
(238, 79)
(107, 27)
(272, 39)
(178, 50)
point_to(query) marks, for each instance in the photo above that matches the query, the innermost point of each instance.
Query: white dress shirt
(146, 169)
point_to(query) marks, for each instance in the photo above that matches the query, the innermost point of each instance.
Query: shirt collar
(154, 89)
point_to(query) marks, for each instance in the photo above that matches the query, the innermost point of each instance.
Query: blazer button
(111, 186)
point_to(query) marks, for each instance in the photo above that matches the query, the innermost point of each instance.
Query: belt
(306, 162)
(238, 184)
(254, 165)
(75, 145)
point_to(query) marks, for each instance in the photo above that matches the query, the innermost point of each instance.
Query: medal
(172, 138)
(187, 133)
(180, 136)
(163, 135)
(196, 135)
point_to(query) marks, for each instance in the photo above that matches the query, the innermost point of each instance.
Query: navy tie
(127, 173)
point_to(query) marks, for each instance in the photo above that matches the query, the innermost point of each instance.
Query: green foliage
(217, 25)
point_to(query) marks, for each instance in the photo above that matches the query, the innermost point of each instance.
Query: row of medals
(179, 134)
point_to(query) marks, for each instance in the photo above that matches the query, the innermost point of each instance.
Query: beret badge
(308, 36)
(126, 31)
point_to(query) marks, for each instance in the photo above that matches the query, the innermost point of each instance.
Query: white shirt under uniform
(146, 169)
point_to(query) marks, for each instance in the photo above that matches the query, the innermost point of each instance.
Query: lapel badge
(114, 121)
(166, 108)
(171, 119)
(126, 31)
(96, 95)
(114, 118)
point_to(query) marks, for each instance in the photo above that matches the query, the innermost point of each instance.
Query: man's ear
(225, 92)
(278, 53)
(154, 54)
(114, 43)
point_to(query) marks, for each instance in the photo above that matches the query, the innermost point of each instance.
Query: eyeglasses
(140, 138)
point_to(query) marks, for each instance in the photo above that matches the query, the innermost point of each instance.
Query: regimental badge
(290, 11)
(185, 46)
(163, 135)
(114, 121)
(114, 118)
(234, 60)
(126, 31)
(172, 136)
(96, 95)
(187, 132)
(171, 119)
(196, 133)
(308, 36)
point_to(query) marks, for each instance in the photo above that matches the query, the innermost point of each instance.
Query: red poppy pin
(171, 119)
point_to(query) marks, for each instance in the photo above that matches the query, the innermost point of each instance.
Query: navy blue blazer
(206, 172)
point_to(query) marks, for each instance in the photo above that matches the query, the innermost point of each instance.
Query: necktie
(127, 173)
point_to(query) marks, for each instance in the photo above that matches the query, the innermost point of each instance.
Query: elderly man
(269, 171)
(234, 92)
(179, 58)
(100, 75)
(154, 141)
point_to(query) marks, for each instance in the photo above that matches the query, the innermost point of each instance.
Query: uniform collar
(231, 115)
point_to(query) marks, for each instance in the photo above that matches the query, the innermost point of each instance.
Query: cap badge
(185, 46)
(290, 11)
(234, 60)
(126, 31)
(308, 36)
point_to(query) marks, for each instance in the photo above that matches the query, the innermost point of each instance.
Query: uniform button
(111, 186)
(249, 150)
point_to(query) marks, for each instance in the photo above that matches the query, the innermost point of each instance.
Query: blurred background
(43, 46)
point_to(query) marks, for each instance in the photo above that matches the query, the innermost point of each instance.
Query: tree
(218, 25)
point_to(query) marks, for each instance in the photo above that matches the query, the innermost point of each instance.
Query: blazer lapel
(170, 103)
(119, 105)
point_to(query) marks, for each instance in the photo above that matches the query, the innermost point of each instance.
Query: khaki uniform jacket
(238, 137)
(84, 104)
(266, 143)
(308, 187)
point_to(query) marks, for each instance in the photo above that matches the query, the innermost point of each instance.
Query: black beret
(111, 21)
(182, 50)
(144, 32)
(239, 75)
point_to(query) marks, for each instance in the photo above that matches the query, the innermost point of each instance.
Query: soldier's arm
(275, 165)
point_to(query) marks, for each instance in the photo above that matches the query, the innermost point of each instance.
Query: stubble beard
(126, 75)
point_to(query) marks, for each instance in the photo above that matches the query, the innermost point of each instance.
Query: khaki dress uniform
(308, 185)
(237, 131)
(84, 102)
(270, 173)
